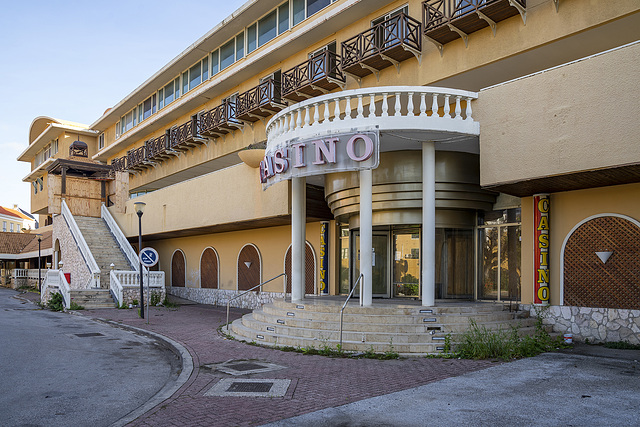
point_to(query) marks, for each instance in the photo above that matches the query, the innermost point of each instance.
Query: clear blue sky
(72, 60)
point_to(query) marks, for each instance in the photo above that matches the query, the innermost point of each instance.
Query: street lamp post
(139, 206)
(39, 259)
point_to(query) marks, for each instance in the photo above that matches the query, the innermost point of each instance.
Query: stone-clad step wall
(403, 329)
(595, 324)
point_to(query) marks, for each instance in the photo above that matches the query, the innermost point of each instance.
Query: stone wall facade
(594, 324)
(250, 300)
(72, 259)
(130, 293)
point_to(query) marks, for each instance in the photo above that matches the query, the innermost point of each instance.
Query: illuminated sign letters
(541, 249)
(318, 156)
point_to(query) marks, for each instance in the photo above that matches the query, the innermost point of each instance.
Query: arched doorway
(601, 263)
(249, 267)
(57, 254)
(178, 269)
(209, 269)
(309, 270)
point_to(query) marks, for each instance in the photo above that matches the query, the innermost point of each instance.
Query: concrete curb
(169, 388)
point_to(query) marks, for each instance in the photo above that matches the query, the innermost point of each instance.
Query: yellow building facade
(473, 110)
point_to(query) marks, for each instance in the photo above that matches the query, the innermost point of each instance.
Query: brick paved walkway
(317, 382)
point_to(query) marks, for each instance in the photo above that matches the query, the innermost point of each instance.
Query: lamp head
(139, 207)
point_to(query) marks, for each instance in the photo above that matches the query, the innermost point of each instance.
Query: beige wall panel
(272, 244)
(227, 196)
(567, 210)
(578, 117)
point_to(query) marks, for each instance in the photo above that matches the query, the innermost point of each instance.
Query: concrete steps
(405, 329)
(103, 246)
(93, 298)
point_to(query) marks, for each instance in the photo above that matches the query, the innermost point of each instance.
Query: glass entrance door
(380, 274)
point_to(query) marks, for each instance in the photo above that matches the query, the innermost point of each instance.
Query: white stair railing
(121, 280)
(63, 286)
(124, 244)
(94, 270)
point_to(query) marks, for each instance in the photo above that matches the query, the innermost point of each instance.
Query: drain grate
(245, 366)
(89, 334)
(228, 387)
(242, 387)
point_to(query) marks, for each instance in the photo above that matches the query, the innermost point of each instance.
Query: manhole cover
(228, 387)
(243, 387)
(89, 334)
(247, 366)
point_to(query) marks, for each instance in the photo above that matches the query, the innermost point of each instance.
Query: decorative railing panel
(405, 108)
(121, 280)
(260, 101)
(220, 120)
(447, 20)
(315, 76)
(393, 40)
(137, 157)
(156, 147)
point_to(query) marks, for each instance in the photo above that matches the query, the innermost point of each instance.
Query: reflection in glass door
(380, 273)
(406, 263)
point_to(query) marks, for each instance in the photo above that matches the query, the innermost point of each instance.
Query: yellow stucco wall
(272, 244)
(567, 210)
(581, 116)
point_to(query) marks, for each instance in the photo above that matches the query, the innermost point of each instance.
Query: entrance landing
(397, 325)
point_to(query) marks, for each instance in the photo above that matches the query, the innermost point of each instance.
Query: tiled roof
(16, 243)
(10, 212)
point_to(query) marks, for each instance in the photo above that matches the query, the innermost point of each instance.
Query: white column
(428, 224)
(298, 236)
(366, 235)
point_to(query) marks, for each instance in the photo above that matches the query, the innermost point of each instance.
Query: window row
(50, 150)
(252, 37)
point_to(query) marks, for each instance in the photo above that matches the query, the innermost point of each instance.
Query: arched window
(209, 269)
(178, 269)
(248, 267)
(309, 272)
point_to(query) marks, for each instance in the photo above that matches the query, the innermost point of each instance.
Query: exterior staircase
(405, 329)
(105, 250)
(92, 298)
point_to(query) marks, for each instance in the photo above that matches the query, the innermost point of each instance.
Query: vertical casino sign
(541, 239)
(324, 257)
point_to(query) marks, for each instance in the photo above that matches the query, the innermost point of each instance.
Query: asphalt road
(57, 369)
(585, 386)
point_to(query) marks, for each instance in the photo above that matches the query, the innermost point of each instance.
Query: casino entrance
(397, 260)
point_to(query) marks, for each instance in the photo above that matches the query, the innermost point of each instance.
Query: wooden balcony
(220, 120)
(261, 101)
(447, 20)
(318, 75)
(387, 43)
(119, 164)
(186, 135)
(157, 148)
(137, 159)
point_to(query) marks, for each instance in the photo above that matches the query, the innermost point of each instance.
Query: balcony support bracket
(523, 11)
(461, 33)
(415, 52)
(355, 77)
(303, 95)
(342, 84)
(437, 43)
(324, 91)
(373, 70)
(557, 3)
(489, 21)
(393, 61)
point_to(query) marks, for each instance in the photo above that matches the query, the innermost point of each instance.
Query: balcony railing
(316, 76)
(119, 164)
(157, 147)
(433, 111)
(261, 101)
(186, 135)
(446, 20)
(220, 120)
(387, 43)
(137, 158)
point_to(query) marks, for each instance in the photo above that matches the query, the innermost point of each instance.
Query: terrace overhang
(347, 130)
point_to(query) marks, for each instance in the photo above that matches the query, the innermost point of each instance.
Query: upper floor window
(4, 226)
(101, 141)
(11, 228)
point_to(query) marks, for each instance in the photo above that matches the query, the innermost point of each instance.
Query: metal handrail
(247, 291)
(347, 302)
